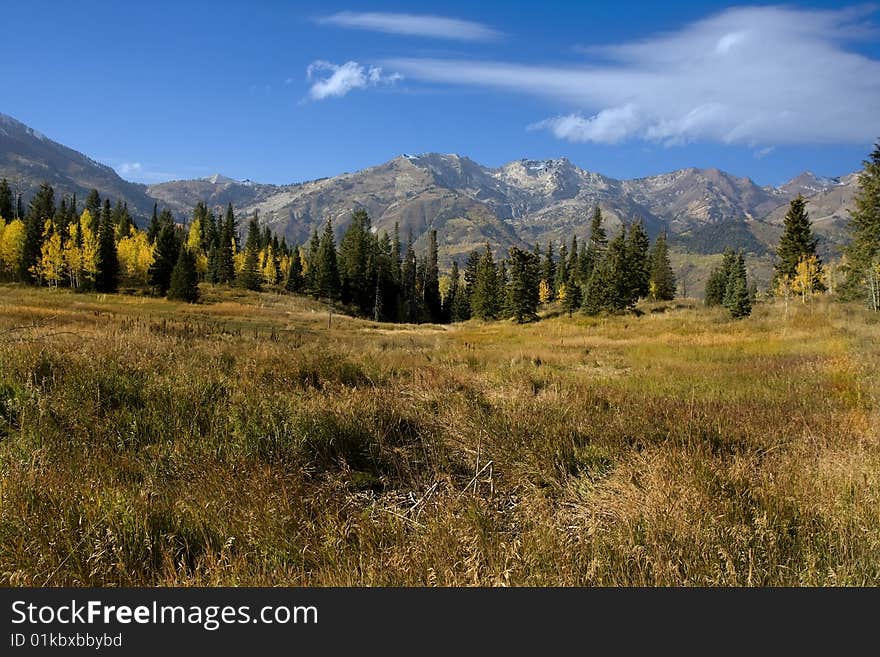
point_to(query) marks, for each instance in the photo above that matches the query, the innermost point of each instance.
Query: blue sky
(282, 91)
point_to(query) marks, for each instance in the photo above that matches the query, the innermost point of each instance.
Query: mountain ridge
(517, 203)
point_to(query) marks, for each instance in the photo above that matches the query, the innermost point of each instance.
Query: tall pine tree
(107, 276)
(797, 242)
(863, 252)
(662, 283)
(165, 255)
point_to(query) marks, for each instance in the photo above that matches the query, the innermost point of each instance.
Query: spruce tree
(224, 262)
(797, 242)
(863, 252)
(409, 284)
(595, 249)
(561, 270)
(737, 299)
(42, 209)
(431, 292)
(524, 274)
(716, 285)
(450, 300)
(486, 295)
(548, 272)
(573, 295)
(107, 276)
(356, 256)
(609, 287)
(326, 267)
(662, 285)
(294, 282)
(6, 207)
(93, 205)
(165, 255)
(250, 277)
(637, 269)
(184, 285)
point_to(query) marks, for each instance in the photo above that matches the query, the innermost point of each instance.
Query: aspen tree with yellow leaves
(194, 242)
(50, 266)
(545, 291)
(135, 257)
(11, 246)
(807, 273)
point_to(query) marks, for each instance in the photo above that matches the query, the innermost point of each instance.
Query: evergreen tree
(637, 270)
(6, 208)
(326, 267)
(42, 209)
(716, 285)
(184, 284)
(863, 252)
(250, 276)
(609, 288)
(312, 260)
(561, 270)
(450, 300)
(295, 281)
(662, 285)
(396, 253)
(548, 271)
(736, 295)
(165, 255)
(409, 284)
(573, 259)
(523, 285)
(107, 276)
(154, 227)
(431, 292)
(573, 295)
(356, 256)
(224, 260)
(124, 223)
(486, 295)
(93, 205)
(595, 250)
(797, 242)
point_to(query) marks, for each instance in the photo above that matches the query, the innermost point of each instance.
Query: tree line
(376, 275)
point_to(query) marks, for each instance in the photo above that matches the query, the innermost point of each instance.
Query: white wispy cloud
(752, 75)
(439, 27)
(137, 172)
(335, 80)
(129, 168)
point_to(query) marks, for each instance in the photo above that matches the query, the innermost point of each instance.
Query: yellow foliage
(545, 292)
(135, 256)
(807, 274)
(50, 267)
(561, 294)
(194, 244)
(269, 267)
(11, 244)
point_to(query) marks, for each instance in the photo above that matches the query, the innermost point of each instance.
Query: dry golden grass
(243, 442)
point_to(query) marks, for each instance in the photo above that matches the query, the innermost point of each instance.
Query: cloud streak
(336, 80)
(756, 76)
(135, 171)
(438, 27)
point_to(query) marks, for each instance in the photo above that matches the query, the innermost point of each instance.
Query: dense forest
(99, 248)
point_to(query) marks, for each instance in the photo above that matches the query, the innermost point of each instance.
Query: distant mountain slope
(28, 158)
(520, 203)
(182, 195)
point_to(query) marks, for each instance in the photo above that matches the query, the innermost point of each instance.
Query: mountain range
(519, 203)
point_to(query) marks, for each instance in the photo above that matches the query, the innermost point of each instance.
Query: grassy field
(242, 441)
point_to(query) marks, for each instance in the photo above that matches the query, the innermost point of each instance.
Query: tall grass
(243, 441)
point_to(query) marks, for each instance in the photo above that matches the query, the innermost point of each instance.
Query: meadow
(249, 440)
